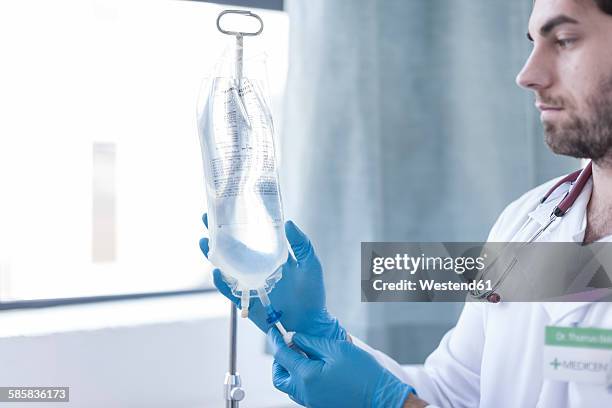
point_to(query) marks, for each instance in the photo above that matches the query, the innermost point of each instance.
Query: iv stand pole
(234, 393)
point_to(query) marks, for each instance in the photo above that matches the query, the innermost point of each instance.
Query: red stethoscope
(578, 179)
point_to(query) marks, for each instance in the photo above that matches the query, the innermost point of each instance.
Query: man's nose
(536, 73)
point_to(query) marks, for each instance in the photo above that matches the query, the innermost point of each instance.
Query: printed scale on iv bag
(245, 216)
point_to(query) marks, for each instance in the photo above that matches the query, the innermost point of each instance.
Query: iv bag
(245, 214)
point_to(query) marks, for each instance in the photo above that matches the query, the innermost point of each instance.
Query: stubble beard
(586, 137)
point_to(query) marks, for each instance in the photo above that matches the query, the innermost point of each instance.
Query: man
(493, 356)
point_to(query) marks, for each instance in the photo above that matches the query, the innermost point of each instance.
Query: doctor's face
(570, 72)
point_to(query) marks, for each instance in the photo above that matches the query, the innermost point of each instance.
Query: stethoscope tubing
(579, 179)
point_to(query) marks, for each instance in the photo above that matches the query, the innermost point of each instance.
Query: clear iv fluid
(247, 239)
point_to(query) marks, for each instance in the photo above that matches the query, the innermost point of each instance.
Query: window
(101, 182)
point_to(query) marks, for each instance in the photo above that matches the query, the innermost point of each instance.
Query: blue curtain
(402, 122)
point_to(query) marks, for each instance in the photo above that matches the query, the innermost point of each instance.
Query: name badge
(578, 354)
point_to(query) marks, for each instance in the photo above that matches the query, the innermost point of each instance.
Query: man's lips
(542, 107)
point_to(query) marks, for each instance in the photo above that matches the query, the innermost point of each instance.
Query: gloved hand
(299, 295)
(335, 373)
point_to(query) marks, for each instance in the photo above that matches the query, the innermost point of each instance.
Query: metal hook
(244, 13)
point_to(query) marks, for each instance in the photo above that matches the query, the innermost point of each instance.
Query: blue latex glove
(299, 295)
(335, 373)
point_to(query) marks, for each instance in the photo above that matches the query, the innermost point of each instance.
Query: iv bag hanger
(245, 13)
(239, 36)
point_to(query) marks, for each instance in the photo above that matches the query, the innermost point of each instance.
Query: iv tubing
(244, 303)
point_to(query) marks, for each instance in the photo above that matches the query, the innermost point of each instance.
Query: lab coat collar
(572, 226)
(541, 214)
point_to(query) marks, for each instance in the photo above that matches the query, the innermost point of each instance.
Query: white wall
(146, 353)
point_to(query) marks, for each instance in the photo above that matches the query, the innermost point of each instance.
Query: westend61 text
(430, 284)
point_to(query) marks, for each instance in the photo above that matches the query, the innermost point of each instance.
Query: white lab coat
(493, 356)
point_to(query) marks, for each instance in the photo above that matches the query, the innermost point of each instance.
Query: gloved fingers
(290, 359)
(282, 382)
(223, 288)
(281, 378)
(290, 259)
(300, 244)
(205, 219)
(297, 400)
(319, 348)
(204, 246)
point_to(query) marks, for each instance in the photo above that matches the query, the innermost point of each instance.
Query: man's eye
(565, 42)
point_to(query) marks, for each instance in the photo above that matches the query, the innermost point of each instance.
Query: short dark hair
(604, 5)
